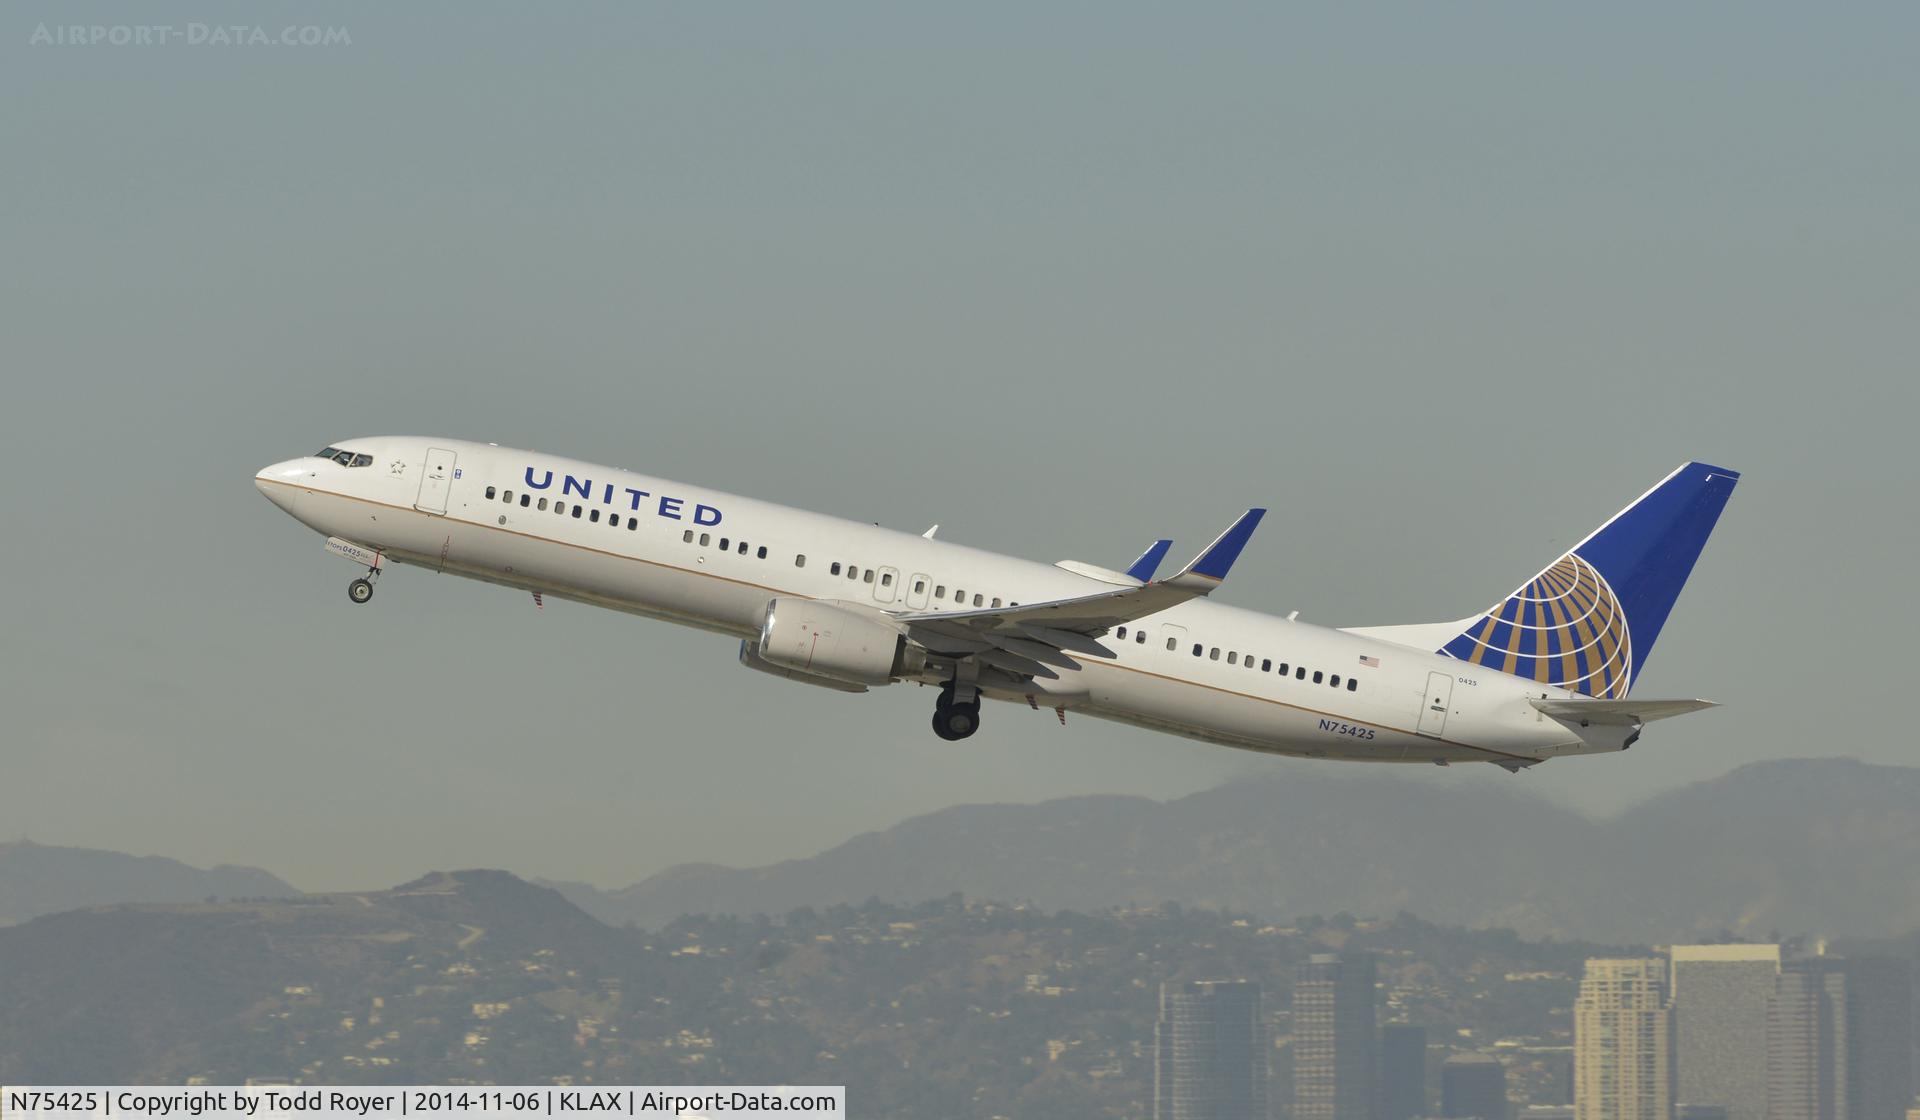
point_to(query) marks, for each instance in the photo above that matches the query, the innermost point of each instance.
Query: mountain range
(1827, 846)
(38, 879)
(1795, 846)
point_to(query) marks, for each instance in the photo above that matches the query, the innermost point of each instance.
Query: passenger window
(1214, 654)
(1334, 680)
(940, 592)
(959, 596)
(853, 571)
(1139, 637)
(919, 585)
(1197, 647)
(1121, 633)
(525, 501)
(632, 524)
(687, 537)
(761, 553)
(1266, 664)
(867, 576)
(743, 548)
(976, 599)
(1353, 685)
(800, 561)
(1300, 674)
(577, 509)
(1172, 644)
(543, 503)
(1233, 659)
(886, 579)
(1316, 676)
(594, 517)
(706, 539)
(835, 569)
(996, 604)
(506, 496)
(725, 544)
(1249, 661)
(490, 493)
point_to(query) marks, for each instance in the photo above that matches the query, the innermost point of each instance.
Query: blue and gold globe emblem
(1565, 628)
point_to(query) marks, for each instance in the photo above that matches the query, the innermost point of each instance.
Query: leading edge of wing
(1087, 614)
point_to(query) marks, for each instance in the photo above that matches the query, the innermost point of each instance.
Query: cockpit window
(344, 458)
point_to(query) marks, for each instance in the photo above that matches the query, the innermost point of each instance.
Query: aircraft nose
(281, 482)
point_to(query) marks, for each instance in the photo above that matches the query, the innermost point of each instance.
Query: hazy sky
(1444, 285)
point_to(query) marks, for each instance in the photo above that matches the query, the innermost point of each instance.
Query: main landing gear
(360, 590)
(954, 719)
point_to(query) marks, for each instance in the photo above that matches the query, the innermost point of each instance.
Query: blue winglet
(1214, 563)
(1149, 561)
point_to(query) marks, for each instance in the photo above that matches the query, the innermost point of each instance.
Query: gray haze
(1443, 285)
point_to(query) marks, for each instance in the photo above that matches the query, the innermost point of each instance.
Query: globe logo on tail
(1565, 628)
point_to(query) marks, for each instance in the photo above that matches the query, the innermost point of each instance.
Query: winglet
(1149, 561)
(1212, 565)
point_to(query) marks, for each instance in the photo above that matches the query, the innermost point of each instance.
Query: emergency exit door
(1433, 710)
(436, 479)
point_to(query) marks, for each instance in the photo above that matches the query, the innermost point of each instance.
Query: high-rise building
(1210, 1052)
(1403, 1071)
(1623, 1042)
(1720, 995)
(1807, 1041)
(1473, 1085)
(1880, 1035)
(1333, 1043)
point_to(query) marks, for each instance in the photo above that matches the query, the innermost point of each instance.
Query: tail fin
(1587, 623)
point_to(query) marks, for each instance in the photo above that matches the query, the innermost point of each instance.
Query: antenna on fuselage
(930, 532)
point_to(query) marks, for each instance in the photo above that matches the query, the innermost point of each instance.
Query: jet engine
(823, 640)
(750, 657)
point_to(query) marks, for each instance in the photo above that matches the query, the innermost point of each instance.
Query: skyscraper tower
(1473, 1085)
(1403, 1071)
(1334, 1066)
(1623, 1042)
(1720, 995)
(1880, 1036)
(1210, 1052)
(1807, 1041)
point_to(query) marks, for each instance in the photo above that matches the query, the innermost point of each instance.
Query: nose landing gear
(360, 590)
(955, 719)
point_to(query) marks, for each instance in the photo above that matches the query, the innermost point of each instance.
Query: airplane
(843, 605)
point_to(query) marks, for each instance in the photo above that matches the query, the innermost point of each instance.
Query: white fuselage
(712, 560)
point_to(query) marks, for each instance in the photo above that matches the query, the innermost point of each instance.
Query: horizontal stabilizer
(1618, 713)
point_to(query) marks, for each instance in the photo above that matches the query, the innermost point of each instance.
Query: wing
(1618, 713)
(1036, 634)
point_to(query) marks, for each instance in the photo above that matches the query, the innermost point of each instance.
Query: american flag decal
(1370, 662)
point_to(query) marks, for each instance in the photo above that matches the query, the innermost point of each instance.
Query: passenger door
(917, 588)
(1433, 709)
(435, 481)
(886, 588)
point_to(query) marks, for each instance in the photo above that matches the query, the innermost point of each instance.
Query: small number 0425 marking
(1338, 728)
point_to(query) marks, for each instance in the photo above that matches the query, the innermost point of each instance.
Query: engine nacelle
(750, 657)
(823, 640)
